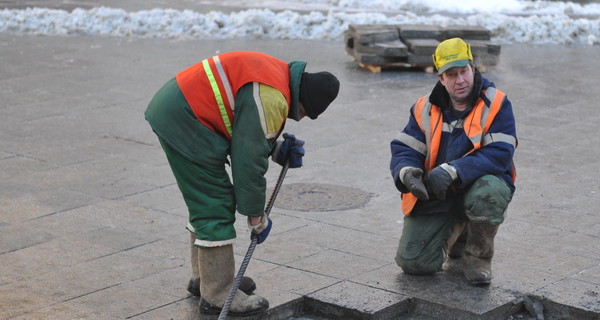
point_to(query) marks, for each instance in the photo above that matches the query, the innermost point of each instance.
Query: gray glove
(439, 180)
(411, 178)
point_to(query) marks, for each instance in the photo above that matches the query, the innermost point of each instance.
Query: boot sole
(480, 283)
(209, 309)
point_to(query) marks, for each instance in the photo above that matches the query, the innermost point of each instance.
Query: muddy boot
(456, 242)
(479, 250)
(217, 269)
(247, 285)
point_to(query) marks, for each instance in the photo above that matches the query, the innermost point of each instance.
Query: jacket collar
(296, 69)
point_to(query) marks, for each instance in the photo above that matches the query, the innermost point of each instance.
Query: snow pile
(535, 22)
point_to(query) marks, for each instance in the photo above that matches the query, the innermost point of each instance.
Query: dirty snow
(511, 21)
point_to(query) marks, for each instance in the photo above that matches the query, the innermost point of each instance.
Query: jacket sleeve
(408, 150)
(260, 113)
(494, 158)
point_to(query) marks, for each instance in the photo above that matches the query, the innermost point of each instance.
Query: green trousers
(209, 196)
(423, 245)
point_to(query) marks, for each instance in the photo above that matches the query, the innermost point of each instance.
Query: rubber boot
(247, 285)
(456, 249)
(194, 283)
(217, 269)
(479, 251)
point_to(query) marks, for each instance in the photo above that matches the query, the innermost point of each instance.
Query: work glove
(411, 178)
(439, 180)
(291, 149)
(261, 231)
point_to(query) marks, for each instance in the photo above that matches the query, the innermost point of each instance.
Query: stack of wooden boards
(407, 45)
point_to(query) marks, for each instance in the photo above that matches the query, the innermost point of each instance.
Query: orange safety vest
(476, 126)
(210, 86)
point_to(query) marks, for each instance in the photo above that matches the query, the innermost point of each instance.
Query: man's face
(458, 82)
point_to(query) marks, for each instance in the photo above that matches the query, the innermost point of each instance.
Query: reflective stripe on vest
(215, 88)
(477, 123)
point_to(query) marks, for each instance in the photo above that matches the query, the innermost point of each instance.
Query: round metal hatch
(320, 197)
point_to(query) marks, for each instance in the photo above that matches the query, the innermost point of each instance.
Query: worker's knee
(487, 200)
(413, 258)
(416, 267)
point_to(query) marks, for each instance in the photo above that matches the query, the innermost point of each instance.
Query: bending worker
(453, 164)
(229, 110)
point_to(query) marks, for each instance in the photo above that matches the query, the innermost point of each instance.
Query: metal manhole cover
(320, 197)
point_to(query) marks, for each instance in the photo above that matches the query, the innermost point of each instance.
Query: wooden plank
(377, 60)
(395, 66)
(420, 60)
(372, 68)
(370, 33)
(422, 47)
(419, 31)
(395, 48)
(490, 47)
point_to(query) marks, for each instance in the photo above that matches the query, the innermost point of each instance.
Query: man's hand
(411, 178)
(439, 180)
(291, 149)
(261, 229)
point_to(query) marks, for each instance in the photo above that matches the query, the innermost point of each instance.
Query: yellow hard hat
(452, 53)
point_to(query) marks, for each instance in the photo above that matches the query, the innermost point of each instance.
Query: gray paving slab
(92, 224)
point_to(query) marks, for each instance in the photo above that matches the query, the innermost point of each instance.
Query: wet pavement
(92, 225)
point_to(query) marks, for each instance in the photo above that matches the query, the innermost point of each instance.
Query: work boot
(247, 285)
(217, 269)
(194, 283)
(479, 250)
(457, 240)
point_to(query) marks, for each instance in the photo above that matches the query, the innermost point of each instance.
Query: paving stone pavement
(92, 224)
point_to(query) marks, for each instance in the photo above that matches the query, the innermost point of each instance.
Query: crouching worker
(453, 164)
(229, 110)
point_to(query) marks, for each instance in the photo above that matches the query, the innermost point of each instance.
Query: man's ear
(441, 78)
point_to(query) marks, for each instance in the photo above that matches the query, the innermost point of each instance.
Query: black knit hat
(317, 91)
